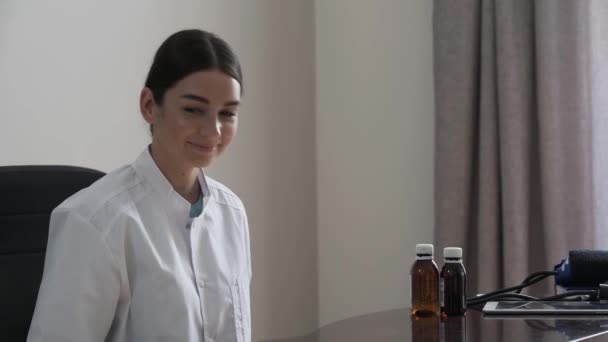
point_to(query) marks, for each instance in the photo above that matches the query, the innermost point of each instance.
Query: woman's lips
(206, 148)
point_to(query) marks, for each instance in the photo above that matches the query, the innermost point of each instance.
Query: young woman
(156, 250)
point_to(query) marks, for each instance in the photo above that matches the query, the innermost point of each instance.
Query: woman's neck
(183, 179)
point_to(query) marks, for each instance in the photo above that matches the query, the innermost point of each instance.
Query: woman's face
(197, 119)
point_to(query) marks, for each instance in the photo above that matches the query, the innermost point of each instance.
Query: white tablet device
(546, 308)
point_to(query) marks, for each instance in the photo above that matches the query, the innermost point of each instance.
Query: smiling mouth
(203, 148)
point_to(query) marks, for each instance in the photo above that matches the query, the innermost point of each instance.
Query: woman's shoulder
(223, 195)
(107, 196)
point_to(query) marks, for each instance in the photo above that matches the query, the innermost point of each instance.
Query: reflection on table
(399, 325)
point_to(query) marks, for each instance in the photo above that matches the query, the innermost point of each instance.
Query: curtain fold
(513, 155)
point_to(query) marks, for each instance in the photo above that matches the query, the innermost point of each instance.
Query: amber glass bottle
(424, 282)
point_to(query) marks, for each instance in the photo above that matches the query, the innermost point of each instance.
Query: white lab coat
(125, 262)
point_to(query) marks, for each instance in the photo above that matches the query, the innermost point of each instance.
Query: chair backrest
(28, 195)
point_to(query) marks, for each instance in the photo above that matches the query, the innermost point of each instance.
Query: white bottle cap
(452, 252)
(424, 248)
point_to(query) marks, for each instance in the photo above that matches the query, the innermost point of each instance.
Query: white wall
(273, 166)
(70, 76)
(70, 82)
(374, 150)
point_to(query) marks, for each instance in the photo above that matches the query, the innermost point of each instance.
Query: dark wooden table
(399, 325)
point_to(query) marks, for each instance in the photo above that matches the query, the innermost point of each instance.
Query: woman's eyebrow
(196, 98)
(206, 101)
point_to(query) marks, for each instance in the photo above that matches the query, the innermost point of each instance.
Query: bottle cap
(452, 252)
(424, 248)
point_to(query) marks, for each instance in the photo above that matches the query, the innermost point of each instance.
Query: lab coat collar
(146, 167)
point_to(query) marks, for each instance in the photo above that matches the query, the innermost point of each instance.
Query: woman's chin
(201, 161)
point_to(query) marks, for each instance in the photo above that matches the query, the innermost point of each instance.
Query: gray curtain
(599, 103)
(514, 159)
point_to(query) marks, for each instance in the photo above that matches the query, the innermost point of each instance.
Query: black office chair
(28, 195)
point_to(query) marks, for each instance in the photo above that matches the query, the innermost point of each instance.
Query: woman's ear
(147, 105)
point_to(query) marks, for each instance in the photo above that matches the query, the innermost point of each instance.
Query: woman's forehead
(213, 85)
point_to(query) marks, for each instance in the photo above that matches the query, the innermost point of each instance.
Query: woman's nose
(211, 126)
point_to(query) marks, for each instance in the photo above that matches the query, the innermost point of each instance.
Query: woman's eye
(228, 114)
(193, 110)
